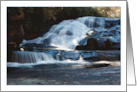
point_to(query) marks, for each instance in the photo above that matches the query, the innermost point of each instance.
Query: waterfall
(89, 21)
(66, 36)
(68, 33)
(30, 57)
(92, 22)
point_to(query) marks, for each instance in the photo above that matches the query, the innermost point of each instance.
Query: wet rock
(69, 33)
(109, 55)
(90, 56)
(92, 44)
(105, 63)
(89, 33)
(54, 53)
(111, 23)
(32, 45)
(63, 55)
(81, 48)
(95, 55)
(46, 42)
(104, 43)
(102, 39)
(70, 55)
(98, 65)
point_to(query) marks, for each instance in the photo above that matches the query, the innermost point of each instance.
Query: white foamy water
(31, 58)
(64, 35)
(17, 64)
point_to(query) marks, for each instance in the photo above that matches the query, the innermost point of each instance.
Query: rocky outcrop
(101, 39)
(96, 55)
(100, 44)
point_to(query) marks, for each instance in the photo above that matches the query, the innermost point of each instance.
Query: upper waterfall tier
(68, 33)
